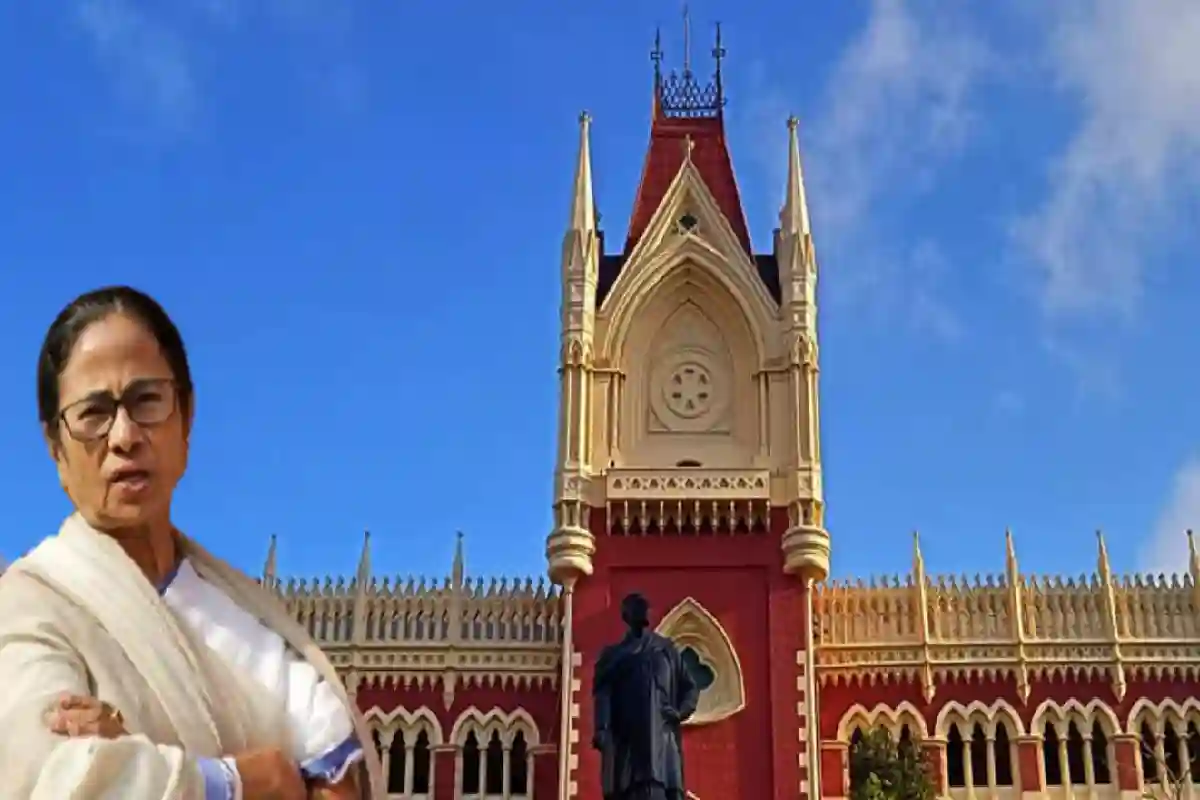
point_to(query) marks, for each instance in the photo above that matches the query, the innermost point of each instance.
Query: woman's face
(123, 480)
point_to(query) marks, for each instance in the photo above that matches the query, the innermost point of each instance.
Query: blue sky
(354, 211)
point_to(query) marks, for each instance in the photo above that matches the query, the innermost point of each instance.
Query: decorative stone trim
(691, 484)
(691, 625)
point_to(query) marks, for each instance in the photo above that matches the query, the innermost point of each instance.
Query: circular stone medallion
(688, 390)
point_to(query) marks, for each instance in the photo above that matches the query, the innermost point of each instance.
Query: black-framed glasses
(148, 402)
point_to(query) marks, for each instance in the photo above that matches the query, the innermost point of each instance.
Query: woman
(133, 664)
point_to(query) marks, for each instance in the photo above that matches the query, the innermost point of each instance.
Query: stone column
(386, 737)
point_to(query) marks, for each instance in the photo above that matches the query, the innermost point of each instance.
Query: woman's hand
(270, 775)
(329, 791)
(346, 789)
(78, 715)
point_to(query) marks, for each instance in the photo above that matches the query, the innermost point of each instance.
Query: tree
(1169, 783)
(883, 769)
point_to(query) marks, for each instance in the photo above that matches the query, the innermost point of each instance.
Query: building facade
(689, 469)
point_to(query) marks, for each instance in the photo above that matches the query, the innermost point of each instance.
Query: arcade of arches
(1068, 749)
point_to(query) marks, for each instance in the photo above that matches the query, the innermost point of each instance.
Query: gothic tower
(689, 460)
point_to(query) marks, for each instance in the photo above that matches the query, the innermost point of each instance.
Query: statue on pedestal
(642, 693)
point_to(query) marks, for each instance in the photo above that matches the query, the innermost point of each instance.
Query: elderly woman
(133, 664)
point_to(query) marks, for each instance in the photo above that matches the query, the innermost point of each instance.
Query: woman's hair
(92, 307)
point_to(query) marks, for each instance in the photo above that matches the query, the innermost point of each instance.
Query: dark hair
(635, 610)
(92, 307)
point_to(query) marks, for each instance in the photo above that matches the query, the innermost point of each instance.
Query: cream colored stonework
(688, 365)
(690, 625)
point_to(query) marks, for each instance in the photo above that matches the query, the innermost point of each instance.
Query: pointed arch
(882, 716)
(979, 712)
(504, 723)
(694, 263)
(689, 193)
(401, 719)
(1168, 709)
(690, 319)
(520, 720)
(1074, 711)
(691, 626)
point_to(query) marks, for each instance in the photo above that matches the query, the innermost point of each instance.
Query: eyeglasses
(148, 402)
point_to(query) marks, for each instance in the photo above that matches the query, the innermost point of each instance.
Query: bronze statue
(642, 692)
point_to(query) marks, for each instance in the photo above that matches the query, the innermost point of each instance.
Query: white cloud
(896, 107)
(150, 49)
(1167, 552)
(148, 60)
(1134, 68)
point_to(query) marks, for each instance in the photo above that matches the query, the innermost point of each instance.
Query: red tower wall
(752, 755)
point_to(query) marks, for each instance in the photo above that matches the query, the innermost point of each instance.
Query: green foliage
(884, 769)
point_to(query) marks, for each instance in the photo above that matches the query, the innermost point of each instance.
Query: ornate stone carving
(1107, 628)
(689, 391)
(692, 484)
(693, 628)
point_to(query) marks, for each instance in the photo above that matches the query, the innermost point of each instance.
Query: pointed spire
(718, 54)
(459, 568)
(583, 202)
(364, 560)
(793, 218)
(687, 40)
(1102, 565)
(269, 567)
(1193, 557)
(1010, 554)
(918, 559)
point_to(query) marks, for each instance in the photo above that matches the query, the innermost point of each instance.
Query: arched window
(397, 760)
(1100, 767)
(407, 758)
(471, 764)
(979, 748)
(1050, 756)
(1004, 756)
(1171, 751)
(982, 761)
(1170, 747)
(1075, 751)
(956, 763)
(495, 765)
(422, 765)
(855, 739)
(518, 767)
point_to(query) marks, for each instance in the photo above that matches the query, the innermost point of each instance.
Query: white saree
(211, 667)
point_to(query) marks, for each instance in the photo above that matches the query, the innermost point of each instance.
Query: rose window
(689, 391)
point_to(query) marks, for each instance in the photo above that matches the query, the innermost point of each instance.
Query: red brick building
(689, 468)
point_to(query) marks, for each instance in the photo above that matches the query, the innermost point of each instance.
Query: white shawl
(92, 571)
(322, 737)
